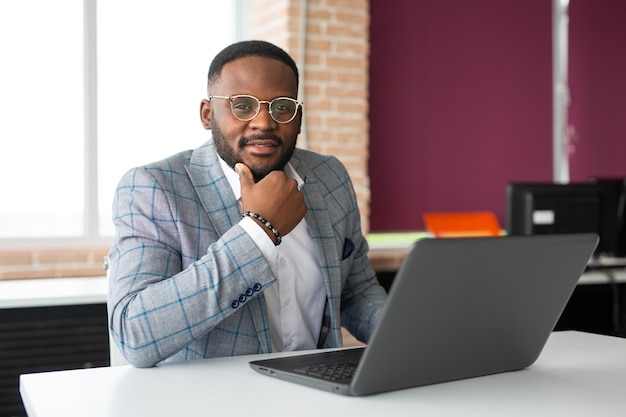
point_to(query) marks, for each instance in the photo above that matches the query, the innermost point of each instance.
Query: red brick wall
(52, 262)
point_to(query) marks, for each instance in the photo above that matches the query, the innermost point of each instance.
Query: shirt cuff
(262, 240)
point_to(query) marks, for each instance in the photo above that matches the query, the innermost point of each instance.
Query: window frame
(91, 236)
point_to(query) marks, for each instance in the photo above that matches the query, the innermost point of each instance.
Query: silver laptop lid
(465, 307)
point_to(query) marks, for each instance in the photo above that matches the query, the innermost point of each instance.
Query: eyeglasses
(246, 108)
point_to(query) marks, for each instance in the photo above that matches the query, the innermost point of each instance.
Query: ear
(205, 114)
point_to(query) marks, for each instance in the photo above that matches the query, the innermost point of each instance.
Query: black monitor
(549, 208)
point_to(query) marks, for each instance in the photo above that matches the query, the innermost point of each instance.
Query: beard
(232, 156)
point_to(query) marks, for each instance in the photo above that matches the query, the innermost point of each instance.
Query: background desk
(577, 374)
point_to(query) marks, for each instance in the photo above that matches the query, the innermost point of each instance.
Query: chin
(259, 174)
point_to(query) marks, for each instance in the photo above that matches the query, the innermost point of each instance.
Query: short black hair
(249, 48)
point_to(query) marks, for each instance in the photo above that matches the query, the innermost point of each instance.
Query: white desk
(578, 374)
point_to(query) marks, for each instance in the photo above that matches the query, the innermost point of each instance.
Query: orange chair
(462, 224)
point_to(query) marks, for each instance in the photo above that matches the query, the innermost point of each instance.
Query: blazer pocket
(348, 247)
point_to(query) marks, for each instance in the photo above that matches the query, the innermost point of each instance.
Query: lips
(262, 146)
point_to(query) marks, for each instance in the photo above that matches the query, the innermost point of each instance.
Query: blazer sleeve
(163, 294)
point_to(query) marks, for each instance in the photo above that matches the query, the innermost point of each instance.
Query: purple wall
(460, 104)
(597, 68)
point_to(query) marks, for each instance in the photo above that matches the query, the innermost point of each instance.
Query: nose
(263, 119)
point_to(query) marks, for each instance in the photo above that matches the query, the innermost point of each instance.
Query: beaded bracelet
(265, 222)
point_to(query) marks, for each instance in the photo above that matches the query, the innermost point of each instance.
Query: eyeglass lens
(245, 108)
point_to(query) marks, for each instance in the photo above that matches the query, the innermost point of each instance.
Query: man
(246, 244)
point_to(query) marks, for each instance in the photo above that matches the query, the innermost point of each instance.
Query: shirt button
(287, 302)
(282, 262)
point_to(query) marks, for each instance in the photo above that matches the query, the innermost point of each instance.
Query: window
(151, 83)
(82, 105)
(41, 156)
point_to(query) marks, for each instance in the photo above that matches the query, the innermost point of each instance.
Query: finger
(246, 178)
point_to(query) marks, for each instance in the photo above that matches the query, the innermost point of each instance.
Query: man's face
(262, 144)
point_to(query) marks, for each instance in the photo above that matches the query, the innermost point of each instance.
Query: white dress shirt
(295, 304)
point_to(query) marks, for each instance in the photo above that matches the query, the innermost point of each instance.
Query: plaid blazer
(186, 281)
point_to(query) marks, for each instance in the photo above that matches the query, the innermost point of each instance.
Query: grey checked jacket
(186, 281)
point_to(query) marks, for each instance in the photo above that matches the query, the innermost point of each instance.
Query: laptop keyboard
(332, 372)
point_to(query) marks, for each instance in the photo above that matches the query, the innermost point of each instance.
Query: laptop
(458, 308)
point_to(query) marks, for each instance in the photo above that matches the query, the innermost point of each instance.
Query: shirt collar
(233, 177)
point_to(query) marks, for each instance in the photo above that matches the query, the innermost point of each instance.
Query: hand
(276, 197)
